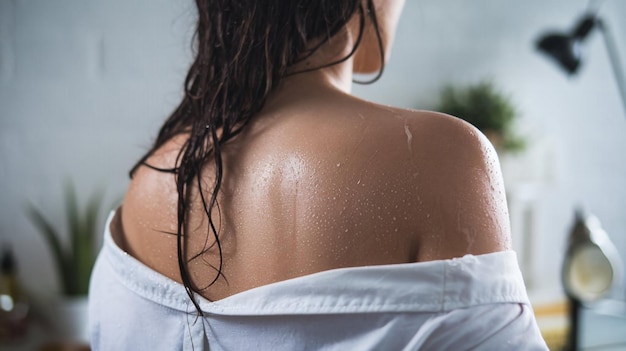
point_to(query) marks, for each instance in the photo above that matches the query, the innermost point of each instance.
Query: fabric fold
(388, 306)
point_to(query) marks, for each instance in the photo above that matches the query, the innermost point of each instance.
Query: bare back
(325, 181)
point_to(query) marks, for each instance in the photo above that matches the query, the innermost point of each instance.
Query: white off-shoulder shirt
(469, 303)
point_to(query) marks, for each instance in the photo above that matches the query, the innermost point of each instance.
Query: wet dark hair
(244, 49)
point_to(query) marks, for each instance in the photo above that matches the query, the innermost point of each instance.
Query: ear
(368, 57)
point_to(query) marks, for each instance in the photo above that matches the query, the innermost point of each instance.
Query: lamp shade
(592, 265)
(563, 49)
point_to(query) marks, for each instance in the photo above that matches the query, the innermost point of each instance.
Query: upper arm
(462, 191)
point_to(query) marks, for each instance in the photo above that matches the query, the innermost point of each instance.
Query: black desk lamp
(566, 48)
(592, 266)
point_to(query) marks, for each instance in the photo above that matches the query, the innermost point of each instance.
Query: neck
(337, 76)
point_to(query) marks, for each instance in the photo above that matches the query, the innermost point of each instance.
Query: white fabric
(469, 303)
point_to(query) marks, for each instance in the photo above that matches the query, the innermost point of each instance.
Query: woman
(276, 211)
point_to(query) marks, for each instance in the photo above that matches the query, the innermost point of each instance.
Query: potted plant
(74, 254)
(488, 109)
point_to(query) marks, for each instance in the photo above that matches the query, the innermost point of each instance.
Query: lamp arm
(615, 60)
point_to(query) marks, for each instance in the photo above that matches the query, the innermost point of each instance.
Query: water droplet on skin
(339, 164)
(346, 230)
(409, 138)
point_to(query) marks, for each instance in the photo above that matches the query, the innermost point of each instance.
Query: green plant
(75, 259)
(487, 108)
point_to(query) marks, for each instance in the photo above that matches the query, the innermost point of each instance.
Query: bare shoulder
(148, 214)
(458, 186)
(436, 177)
(439, 129)
(432, 139)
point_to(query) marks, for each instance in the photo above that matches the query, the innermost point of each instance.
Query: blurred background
(85, 84)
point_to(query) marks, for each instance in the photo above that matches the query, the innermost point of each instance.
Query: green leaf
(76, 261)
(86, 251)
(52, 238)
(75, 227)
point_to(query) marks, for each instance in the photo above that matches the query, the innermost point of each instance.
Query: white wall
(84, 86)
